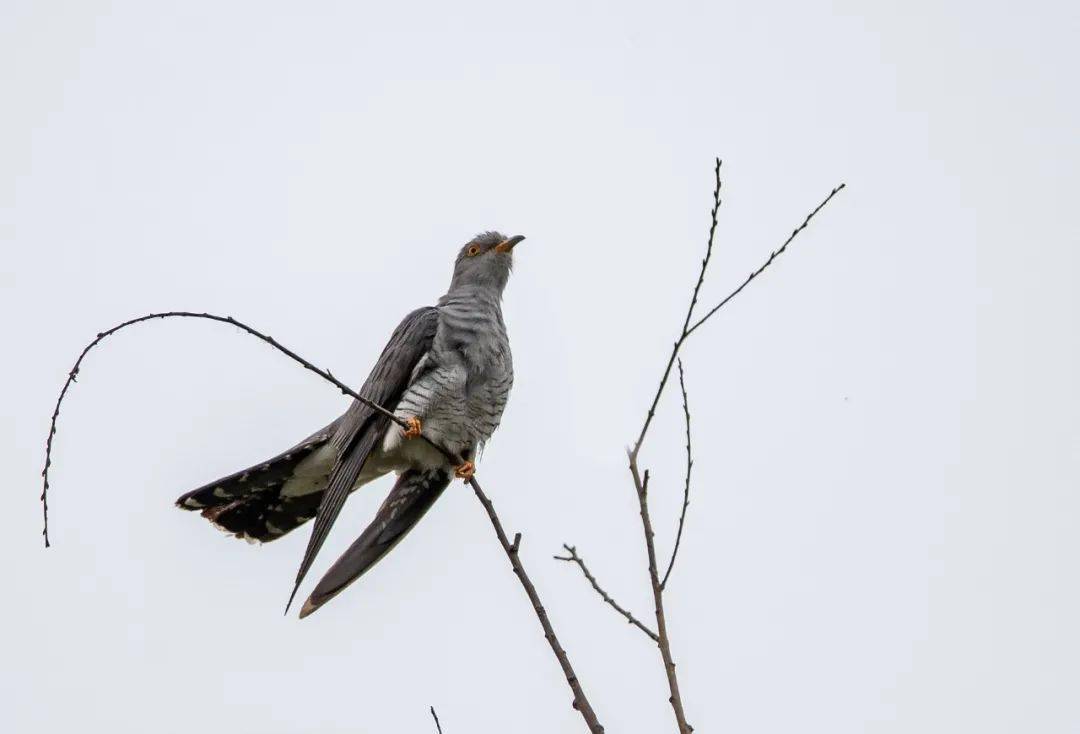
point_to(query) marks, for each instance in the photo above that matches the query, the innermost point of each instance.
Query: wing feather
(412, 496)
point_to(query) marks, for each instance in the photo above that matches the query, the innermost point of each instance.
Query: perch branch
(581, 703)
(435, 716)
(325, 374)
(573, 557)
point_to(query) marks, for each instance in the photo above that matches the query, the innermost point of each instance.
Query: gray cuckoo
(446, 370)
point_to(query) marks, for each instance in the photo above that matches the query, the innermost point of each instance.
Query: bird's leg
(465, 471)
(413, 431)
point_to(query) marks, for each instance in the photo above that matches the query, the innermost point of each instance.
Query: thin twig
(686, 489)
(573, 557)
(581, 703)
(767, 263)
(642, 487)
(436, 717)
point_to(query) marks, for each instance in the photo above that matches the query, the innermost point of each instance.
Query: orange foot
(413, 431)
(465, 471)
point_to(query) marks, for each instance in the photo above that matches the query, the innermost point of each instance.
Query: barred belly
(460, 388)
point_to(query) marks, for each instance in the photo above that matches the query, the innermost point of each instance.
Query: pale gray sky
(883, 529)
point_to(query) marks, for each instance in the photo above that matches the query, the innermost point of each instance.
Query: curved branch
(73, 374)
(686, 490)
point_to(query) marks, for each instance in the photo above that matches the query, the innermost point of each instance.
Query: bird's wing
(413, 494)
(361, 428)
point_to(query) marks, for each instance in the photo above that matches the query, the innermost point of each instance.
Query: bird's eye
(473, 251)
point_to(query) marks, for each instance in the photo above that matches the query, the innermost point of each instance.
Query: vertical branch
(642, 487)
(686, 489)
(641, 483)
(689, 314)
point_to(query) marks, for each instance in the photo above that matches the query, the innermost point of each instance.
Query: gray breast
(462, 388)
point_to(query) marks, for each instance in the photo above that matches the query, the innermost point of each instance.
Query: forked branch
(775, 254)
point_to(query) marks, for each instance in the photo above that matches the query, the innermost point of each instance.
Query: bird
(446, 373)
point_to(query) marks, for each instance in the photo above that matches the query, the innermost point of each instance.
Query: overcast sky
(883, 529)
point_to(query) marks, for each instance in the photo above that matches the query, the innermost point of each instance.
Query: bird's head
(485, 261)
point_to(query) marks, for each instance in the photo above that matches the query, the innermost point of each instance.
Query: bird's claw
(413, 431)
(465, 471)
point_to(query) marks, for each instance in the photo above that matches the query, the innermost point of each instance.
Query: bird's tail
(266, 501)
(413, 495)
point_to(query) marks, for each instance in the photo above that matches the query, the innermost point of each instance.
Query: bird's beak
(508, 245)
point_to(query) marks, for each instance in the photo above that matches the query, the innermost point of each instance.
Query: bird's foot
(465, 471)
(413, 431)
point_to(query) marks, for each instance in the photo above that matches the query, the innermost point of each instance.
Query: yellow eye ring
(473, 251)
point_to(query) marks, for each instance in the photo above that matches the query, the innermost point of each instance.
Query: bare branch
(686, 489)
(325, 374)
(767, 263)
(642, 487)
(641, 482)
(436, 717)
(581, 703)
(573, 557)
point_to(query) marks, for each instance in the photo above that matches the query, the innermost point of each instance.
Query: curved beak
(508, 245)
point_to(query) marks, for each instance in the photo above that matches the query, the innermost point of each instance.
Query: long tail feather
(266, 501)
(412, 496)
(341, 483)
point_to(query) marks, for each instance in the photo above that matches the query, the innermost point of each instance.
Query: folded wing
(361, 429)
